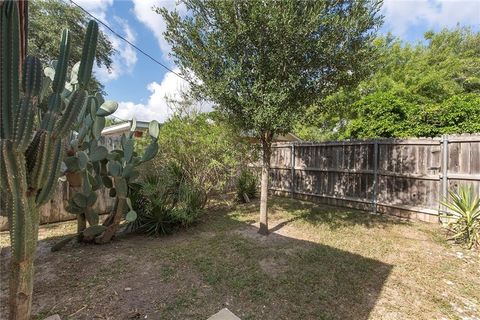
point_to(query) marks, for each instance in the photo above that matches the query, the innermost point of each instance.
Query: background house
(117, 130)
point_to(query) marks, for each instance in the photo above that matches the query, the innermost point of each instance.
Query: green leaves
(422, 90)
(264, 67)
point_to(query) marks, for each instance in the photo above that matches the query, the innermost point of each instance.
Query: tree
(47, 20)
(263, 62)
(422, 90)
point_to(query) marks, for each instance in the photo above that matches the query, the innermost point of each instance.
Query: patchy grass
(320, 262)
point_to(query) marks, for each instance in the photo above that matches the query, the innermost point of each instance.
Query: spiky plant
(464, 215)
(91, 167)
(122, 169)
(31, 140)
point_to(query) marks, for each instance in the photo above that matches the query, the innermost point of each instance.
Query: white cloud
(400, 15)
(156, 107)
(143, 10)
(98, 8)
(125, 58)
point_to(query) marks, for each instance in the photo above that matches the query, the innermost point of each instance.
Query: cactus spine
(31, 142)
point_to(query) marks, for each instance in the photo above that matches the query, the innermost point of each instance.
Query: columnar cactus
(31, 141)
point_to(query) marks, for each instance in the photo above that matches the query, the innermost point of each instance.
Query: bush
(208, 150)
(464, 212)
(165, 201)
(246, 185)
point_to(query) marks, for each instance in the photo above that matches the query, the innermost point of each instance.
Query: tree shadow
(220, 262)
(315, 281)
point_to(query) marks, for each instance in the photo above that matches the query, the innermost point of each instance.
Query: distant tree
(263, 62)
(427, 89)
(47, 19)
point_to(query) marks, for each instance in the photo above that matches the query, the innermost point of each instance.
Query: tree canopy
(262, 62)
(426, 89)
(47, 20)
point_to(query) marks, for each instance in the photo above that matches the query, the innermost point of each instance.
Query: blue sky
(140, 86)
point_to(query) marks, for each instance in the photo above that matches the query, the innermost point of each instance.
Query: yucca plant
(464, 215)
(166, 201)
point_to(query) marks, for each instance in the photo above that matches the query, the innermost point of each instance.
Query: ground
(319, 262)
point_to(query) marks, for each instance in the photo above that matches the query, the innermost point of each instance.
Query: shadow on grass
(330, 216)
(220, 262)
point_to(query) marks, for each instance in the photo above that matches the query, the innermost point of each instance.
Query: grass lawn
(319, 263)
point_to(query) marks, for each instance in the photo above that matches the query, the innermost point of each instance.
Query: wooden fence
(407, 178)
(400, 177)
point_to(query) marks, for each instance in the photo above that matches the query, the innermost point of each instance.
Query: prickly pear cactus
(122, 169)
(91, 167)
(31, 140)
(86, 164)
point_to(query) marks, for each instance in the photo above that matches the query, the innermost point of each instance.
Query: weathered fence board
(402, 177)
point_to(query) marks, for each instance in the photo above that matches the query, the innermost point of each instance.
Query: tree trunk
(266, 148)
(114, 224)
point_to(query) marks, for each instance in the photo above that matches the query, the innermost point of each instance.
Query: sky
(140, 85)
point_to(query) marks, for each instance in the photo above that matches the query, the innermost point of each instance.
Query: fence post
(444, 153)
(375, 176)
(292, 166)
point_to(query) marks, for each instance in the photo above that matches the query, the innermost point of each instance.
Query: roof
(118, 129)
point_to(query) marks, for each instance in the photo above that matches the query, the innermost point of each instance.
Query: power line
(127, 41)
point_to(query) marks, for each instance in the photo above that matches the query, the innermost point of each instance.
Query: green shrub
(165, 201)
(207, 149)
(246, 185)
(464, 213)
